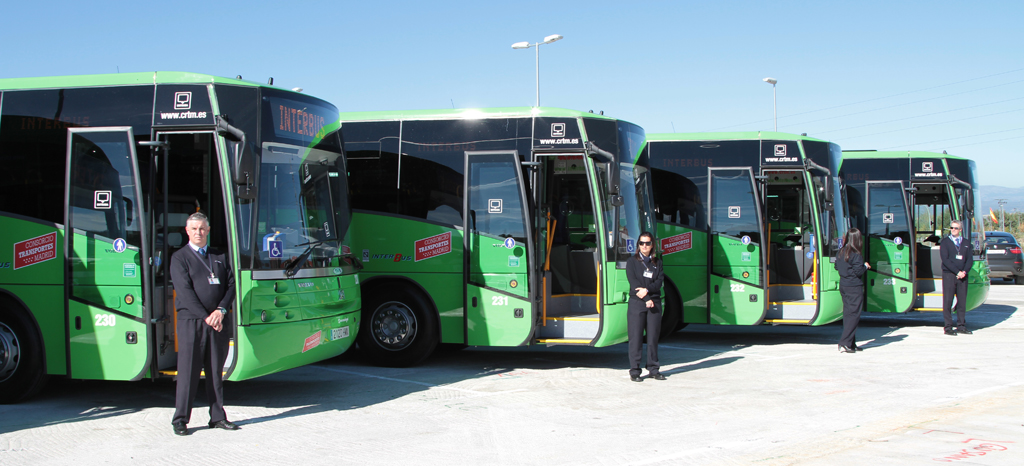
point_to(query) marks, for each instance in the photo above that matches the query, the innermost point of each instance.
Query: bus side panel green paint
(613, 324)
(498, 267)
(100, 349)
(686, 267)
(441, 275)
(40, 286)
(884, 293)
(493, 321)
(830, 308)
(890, 271)
(732, 304)
(732, 258)
(978, 284)
(266, 349)
(46, 304)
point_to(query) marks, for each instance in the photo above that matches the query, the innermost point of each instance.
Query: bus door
(791, 254)
(499, 310)
(737, 256)
(185, 179)
(568, 255)
(106, 249)
(889, 245)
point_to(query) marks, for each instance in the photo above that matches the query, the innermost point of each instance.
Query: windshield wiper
(296, 264)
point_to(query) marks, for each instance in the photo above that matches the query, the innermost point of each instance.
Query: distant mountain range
(1014, 198)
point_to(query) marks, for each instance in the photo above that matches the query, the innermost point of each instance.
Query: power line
(875, 99)
(919, 116)
(902, 146)
(907, 103)
(925, 126)
(972, 144)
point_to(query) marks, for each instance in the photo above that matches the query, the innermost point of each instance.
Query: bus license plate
(339, 333)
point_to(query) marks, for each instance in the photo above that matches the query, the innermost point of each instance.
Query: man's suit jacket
(195, 296)
(948, 252)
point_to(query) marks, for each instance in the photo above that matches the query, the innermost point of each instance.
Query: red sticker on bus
(433, 246)
(312, 342)
(35, 250)
(675, 243)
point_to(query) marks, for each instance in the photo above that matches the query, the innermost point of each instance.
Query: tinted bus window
(35, 154)
(372, 152)
(433, 158)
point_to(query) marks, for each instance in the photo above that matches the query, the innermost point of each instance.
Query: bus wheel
(673, 313)
(21, 359)
(399, 329)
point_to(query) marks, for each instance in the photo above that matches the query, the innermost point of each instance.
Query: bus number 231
(499, 300)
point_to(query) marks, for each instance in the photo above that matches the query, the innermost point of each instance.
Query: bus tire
(399, 328)
(22, 371)
(673, 312)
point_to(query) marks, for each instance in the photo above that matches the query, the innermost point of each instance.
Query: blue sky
(868, 75)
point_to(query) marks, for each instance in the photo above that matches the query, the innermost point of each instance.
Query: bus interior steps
(790, 303)
(571, 317)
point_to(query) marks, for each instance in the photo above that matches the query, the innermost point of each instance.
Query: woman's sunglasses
(645, 243)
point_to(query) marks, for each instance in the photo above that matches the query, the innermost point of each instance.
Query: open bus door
(106, 248)
(497, 258)
(889, 247)
(737, 256)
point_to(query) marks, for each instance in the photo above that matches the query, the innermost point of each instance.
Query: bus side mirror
(244, 171)
(243, 160)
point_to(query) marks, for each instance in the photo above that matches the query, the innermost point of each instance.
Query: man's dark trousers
(952, 286)
(200, 346)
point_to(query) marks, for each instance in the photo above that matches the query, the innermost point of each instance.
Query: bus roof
(896, 154)
(468, 114)
(119, 79)
(730, 136)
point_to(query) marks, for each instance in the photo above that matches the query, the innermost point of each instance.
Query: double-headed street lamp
(526, 45)
(775, 113)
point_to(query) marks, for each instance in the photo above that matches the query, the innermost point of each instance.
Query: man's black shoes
(180, 428)
(636, 378)
(225, 424)
(964, 331)
(949, 332)
(657, 376)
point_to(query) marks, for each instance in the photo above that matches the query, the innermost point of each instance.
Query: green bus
(493, 227)
(749, 224)
(903, 201)
(101, 173)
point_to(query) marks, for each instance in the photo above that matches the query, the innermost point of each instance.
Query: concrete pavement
(734, 395)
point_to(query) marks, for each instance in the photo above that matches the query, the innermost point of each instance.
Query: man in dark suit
(957, 260)
(204, 286)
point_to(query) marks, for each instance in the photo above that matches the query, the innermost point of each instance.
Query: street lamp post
(536, 45)
(775, 113)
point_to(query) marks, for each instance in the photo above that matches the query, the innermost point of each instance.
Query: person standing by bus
(957, 259)
(204, 286)
(645, 276)
(851, 267)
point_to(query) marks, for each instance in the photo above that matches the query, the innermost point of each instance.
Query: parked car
(1005, 258)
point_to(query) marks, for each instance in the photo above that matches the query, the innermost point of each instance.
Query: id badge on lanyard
(213, 279)
(648, 274)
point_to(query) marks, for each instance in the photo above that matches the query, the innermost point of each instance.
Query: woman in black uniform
(645, 276)
(851, 267)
